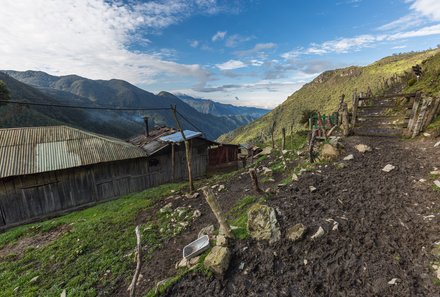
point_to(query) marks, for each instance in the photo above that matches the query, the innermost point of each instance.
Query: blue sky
(251, 52)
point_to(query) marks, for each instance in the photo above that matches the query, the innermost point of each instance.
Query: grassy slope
(323, 94)
(94, 253)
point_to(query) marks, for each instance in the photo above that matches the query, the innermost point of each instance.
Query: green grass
(237, 216)
(323, 93)
(93, 255)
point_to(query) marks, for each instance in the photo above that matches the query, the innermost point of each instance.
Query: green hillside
(324, 91)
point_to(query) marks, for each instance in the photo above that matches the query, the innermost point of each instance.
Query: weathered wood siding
(33, 197)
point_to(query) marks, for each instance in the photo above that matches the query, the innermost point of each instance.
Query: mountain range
(40, 87)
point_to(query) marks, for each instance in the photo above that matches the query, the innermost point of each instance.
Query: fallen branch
(132, 287)
(215, 207)
(329, 133)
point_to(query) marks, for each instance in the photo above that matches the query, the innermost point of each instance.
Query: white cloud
(91, 37)
(428, 8)
(259, 47)
(231, 64)
(408, 21)
(220, 35)
(425, 31)
(194, 43)
(235, 39)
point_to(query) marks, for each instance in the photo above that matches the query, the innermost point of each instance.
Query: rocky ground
(381, 231)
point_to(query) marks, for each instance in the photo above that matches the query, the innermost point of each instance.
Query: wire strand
(82, 107)
(189, 122)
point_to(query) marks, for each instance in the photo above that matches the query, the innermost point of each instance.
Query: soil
(37, 241)
(383, 231)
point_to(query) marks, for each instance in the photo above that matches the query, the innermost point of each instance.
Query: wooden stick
(283, 139)
(225, 229)
(187, 151)
(132, 287)
(272, 131)
(311, 146)
(254, 177)
(354, 110)
(345, 125)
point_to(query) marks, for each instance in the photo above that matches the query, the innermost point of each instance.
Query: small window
(153, 162)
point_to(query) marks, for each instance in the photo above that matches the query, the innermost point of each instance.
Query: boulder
(330, 152)
(262, 223)
(208, 230)
(362, 148)
(296, 232)
(218, 259)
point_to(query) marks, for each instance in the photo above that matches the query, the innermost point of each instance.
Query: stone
(393, 281)
(422, 180)
(362, 148)
(296, 232)
(266, 171)
(262, 223)
(437, 271)
(437, 183)
(329, 152)
(180, 211)
(349, 157)
(318, 233)
(182, 263)
(266, 151)
(63, 293)
(194, 261)
(435, 172)
(167, 208)
(221, 240)
(312, 189)
(271, 180)
(197, 213)
(334, 140)
(221, 188)
(218, 259)
(208, 230)
(34, 279)
(295, 177)
(426, 134)
(192, 196)
(437, 144)
(388, 168)
(241, 266)
(285, 151)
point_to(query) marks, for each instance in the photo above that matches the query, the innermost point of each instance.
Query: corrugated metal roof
(177, 137)
(41, 149)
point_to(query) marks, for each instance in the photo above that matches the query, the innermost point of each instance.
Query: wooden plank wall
(24, 199)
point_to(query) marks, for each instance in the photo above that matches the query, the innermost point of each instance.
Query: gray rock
(312, 189)
(349, 157)
(208, 230)
(262, 223)
(197, 213)
(218, 259)
(388, 168)
(318, 233)
(362, 148)
(295, 177)
(296, 232)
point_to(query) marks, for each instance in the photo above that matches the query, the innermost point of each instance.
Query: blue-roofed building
(166, 150)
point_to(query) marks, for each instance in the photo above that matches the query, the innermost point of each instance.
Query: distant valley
(40, 87)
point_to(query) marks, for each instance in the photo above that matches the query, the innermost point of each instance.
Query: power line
(83, 107)
(189, 121)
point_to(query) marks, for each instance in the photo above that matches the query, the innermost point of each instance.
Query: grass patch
(93, 256)
(237, 216)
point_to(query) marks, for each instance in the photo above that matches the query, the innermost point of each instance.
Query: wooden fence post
(345, 125)
(354, 109)
(272, 131)
(225, 229)
(187, 150)
(283, 140)
(254, 177)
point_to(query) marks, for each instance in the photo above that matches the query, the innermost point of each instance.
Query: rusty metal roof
(41, 149)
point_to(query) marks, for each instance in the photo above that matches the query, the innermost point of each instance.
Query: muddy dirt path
(388, 224)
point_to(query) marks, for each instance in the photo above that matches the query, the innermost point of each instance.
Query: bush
(306, 115)
(4, 92)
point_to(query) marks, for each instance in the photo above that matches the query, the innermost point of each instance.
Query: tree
(4, 92)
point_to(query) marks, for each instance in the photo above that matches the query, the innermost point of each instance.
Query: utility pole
(187, 149)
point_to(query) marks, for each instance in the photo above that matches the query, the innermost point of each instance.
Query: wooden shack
(165, 147)
(45, 171)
